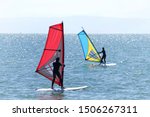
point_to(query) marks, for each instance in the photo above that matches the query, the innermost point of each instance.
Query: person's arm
(99, 52)
(62, 64)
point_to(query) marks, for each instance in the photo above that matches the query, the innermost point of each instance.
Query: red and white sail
(54, 48)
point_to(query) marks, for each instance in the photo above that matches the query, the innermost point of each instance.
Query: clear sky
(126, 9)
(61, 8)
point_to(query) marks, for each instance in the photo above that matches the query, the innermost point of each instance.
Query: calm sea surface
(128, 79)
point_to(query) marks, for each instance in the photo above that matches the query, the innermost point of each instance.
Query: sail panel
(54, 48)
(90, 52)
(84, 43)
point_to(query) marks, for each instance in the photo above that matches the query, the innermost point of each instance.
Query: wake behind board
(60, 90)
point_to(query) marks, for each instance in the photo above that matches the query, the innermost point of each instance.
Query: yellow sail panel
(92, 54)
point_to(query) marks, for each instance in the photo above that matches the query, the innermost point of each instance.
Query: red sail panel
(54, 48)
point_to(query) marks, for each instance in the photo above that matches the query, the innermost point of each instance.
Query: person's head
(102, 48)
(57, 59)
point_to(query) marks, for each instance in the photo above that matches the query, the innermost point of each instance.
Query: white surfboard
(103, 65)
(65, 89)
(108, 64)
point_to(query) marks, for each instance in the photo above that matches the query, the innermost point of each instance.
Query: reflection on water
(50, 96)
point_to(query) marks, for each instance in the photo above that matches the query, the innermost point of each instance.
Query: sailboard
(108, 64)
(89, 50)
(54, 48)
(65, 89)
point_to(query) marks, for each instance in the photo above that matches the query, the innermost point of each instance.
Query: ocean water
(128, 79)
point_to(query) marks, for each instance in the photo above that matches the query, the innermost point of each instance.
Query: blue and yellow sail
(90, 52)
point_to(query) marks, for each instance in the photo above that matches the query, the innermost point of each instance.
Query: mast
(63, 53)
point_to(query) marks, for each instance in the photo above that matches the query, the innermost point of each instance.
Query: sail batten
(54, 47)
(89, 50)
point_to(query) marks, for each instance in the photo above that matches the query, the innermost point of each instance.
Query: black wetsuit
(56, 66)
(103, 57)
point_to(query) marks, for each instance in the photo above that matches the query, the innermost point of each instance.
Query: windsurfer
(56, 66)
(103, 59)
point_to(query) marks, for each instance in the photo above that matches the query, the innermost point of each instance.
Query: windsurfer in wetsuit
(103, 56)
(56, 72)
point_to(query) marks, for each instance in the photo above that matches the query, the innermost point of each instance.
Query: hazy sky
(62, 8)
(97, 16)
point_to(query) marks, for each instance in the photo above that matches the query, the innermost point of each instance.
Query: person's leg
(105, 59)
(61, 80)
(102, 59)
(54, 76)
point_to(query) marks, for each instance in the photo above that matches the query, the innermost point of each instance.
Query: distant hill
(73, 24)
